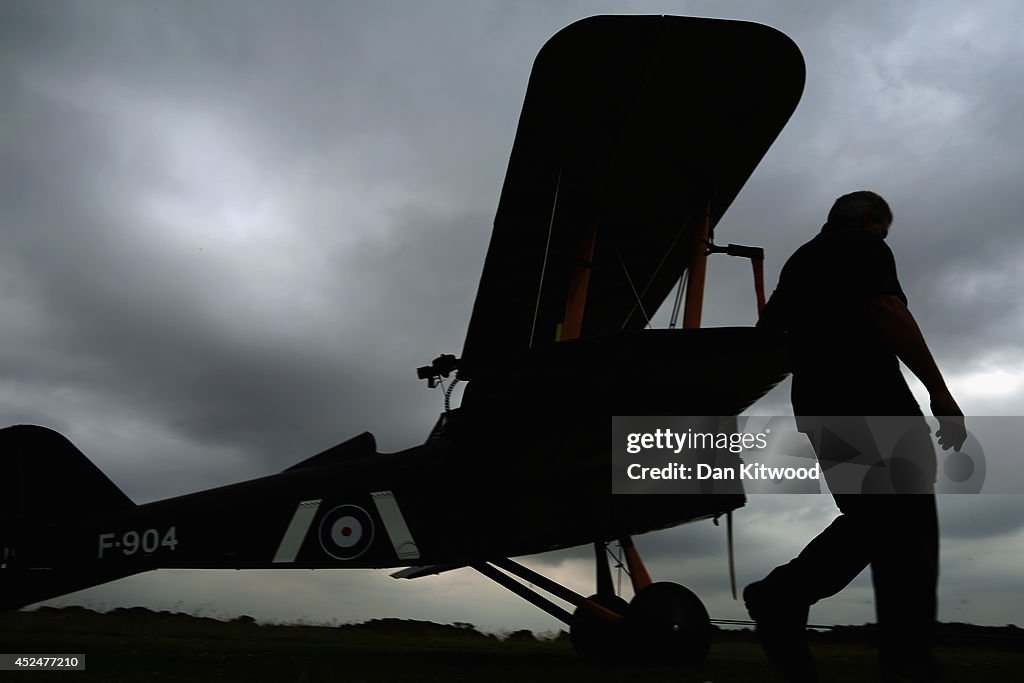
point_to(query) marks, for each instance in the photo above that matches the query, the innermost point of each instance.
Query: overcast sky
(232, 230)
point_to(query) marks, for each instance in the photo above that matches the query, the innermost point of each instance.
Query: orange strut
(637, 571)
(576, 298)
(698, 270)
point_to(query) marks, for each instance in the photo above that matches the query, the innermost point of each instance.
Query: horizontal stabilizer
(425, 570)
(357, 447)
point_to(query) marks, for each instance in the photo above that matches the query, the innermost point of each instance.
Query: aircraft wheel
(668, 624)
(595, 639)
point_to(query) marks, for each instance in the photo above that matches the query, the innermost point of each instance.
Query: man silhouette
(843, 312)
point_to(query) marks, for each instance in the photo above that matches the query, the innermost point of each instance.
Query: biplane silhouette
(636, 134)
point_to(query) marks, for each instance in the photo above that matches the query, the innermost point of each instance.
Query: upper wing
(629, 127)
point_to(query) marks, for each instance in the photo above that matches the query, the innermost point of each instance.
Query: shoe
(782, 630)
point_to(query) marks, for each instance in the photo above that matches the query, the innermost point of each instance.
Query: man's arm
(901, 330)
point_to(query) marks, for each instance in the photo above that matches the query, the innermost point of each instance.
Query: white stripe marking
(394, 524)
(296, 531)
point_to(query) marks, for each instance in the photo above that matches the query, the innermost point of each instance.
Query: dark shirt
(842, 365)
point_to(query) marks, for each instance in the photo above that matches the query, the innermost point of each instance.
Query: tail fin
(43, 479)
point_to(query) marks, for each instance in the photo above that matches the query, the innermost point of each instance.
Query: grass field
(176, 647)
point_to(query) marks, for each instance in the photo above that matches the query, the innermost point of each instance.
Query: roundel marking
(346, 532)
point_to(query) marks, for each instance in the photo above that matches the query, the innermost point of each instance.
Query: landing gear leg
(593, 637)
(665, 623)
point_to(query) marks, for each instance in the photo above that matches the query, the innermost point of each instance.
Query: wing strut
(697, 270)
(579, 283)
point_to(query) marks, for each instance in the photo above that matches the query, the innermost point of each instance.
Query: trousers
(896, 534)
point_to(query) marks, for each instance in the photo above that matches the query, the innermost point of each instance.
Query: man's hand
(952, 431)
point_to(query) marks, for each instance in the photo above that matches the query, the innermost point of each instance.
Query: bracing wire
(677, 305)
(636, 294)
(544, 265)
(620, 566)
(661, 263)
(732, 557)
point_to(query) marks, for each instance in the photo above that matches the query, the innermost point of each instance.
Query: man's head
(862, 209)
